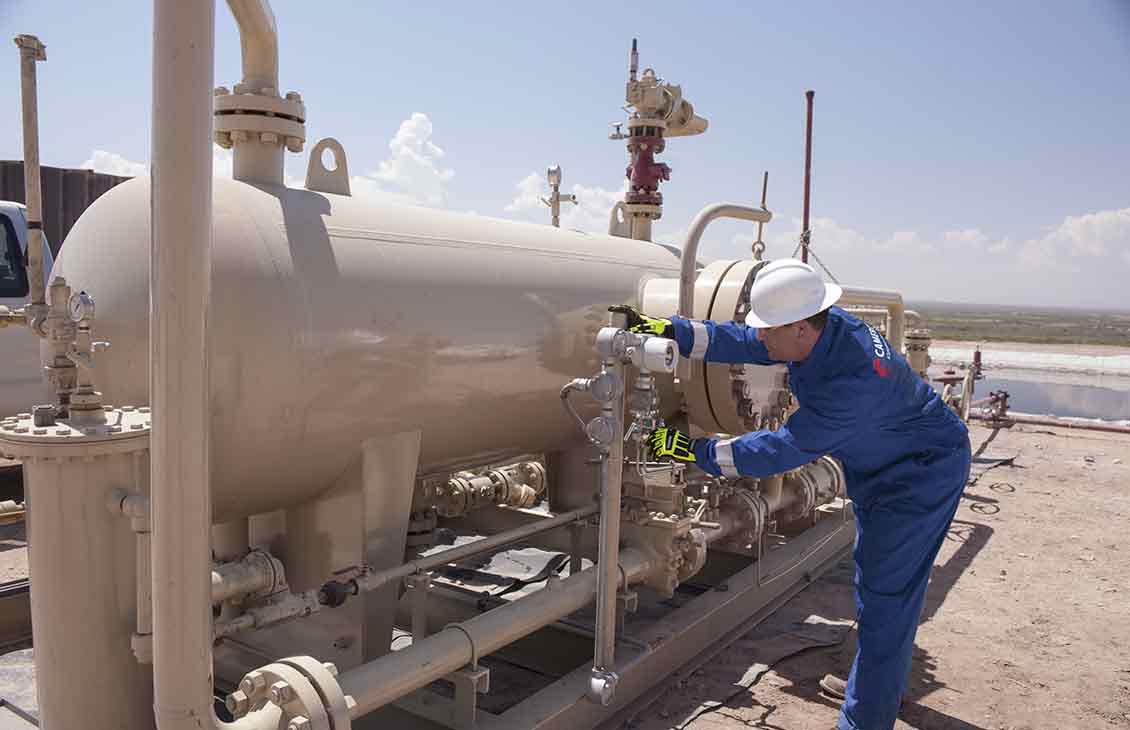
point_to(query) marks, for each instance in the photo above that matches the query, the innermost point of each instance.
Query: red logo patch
(882, 371)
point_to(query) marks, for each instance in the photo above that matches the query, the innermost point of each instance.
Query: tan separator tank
(335, 319)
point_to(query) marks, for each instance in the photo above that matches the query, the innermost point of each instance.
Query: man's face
(783, 342)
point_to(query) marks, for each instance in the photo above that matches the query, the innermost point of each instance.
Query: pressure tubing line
(392, 676)
(430, 562)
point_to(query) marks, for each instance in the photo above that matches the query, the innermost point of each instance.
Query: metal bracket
(470, 682)
(320, 178)
(419, 586)
(576, 533)
(626, 602)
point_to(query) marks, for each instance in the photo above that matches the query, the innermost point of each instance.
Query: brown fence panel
(66, 194)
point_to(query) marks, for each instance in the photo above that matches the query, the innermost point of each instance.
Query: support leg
(388, 470)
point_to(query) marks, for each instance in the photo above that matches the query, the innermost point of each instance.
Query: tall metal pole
(805, 234)
(31, 51)
(180, 277)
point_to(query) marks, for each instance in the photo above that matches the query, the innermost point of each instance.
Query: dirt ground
(1027, 618)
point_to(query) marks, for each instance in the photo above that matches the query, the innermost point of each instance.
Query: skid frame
(678, 642)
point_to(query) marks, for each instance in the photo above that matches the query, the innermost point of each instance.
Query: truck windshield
(13, 276)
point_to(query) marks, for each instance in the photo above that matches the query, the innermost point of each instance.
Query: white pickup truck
(22, 384)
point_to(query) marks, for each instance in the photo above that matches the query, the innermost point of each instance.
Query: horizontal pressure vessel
(335, 319)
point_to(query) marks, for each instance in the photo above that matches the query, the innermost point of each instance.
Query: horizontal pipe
(255, 573)
(1035, 420)
(890, 300)
(372, 581)
(384, 680)
(910, 314)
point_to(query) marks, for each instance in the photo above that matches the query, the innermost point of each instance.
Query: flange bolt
(237, 703)
(281, 693)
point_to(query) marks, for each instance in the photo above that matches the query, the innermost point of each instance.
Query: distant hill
(1012, 323)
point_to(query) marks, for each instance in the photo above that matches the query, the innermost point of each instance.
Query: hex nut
(281, 693)
(299, 723)
(253, 683)
(269, 138)
(330, 667)
(237, 703)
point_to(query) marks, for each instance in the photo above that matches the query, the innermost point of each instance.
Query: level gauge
(81, 306)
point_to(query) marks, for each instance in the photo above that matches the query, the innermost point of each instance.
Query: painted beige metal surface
(31, 52)
(82, 561)
(687, 274)
(335, 320)
(379, 682)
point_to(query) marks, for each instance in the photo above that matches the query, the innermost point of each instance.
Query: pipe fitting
(602, 686)
(254, 575)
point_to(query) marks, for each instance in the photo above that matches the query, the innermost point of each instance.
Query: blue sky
(964, 151)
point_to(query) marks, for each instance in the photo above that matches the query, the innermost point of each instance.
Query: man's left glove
(671, 443)
(640, 323)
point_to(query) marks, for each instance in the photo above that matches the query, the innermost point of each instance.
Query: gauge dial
(81, 306)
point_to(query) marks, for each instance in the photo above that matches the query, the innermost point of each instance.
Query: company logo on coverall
(881, 353)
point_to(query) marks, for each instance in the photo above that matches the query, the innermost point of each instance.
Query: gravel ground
(1027, 619)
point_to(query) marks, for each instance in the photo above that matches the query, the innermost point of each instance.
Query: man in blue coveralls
(905, 454)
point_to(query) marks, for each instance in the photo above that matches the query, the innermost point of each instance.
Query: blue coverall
(906, 457)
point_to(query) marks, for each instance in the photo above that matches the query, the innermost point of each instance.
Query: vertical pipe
(555, 206)
(180, 272)
(608, 558)
(804, 232)
(255, 157)
(31, 51)
(143, 636)
(641, 228)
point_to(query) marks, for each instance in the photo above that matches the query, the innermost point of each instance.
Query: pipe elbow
(259, 42)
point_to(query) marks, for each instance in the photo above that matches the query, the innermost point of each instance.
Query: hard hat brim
(832, 294)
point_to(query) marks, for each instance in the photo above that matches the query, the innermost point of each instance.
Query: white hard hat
(787, 291)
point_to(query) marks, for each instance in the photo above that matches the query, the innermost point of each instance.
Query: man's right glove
(640, 323)
(671, 443)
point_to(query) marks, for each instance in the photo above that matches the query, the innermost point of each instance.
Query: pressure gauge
(81, 306)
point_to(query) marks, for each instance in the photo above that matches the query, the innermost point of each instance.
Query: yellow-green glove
(642, 324)
(671, 443)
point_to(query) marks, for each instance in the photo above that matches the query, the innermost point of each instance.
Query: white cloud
(1080, 261)
(592, 209)
(531, 189)
(1093, 234)
(969, 237)
(413, 164)
(111, 163)
(827, 235)
(906, 242)
(590, 213)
